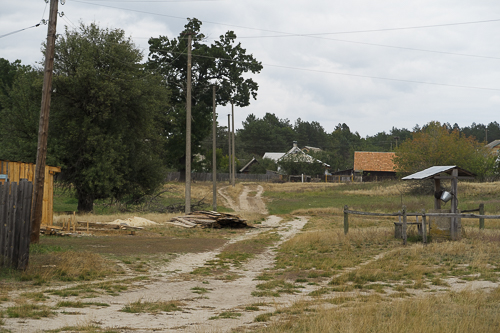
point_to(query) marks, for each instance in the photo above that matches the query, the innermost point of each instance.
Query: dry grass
(299, 187)
(473, 189)
(394, 189)
(68, 266)
(465, 311)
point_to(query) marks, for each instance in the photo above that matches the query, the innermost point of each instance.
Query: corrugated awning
(436, 171)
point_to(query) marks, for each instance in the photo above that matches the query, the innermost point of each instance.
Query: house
(15, 171)
(494, 146)
(308, 149)
(295, 153)
(374, 165)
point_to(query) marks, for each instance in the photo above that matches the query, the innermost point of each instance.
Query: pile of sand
(135, 222)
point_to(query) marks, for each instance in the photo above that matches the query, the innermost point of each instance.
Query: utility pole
(486, 130)
(188, 130)
(234, 158)
(43, 127)
(229, 136)
(214, 155)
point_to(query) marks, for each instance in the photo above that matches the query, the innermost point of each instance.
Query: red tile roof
(373, 161)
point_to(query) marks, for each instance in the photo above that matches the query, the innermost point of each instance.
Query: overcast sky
(370, 64)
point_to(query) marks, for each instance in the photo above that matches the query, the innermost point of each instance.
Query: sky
(373, 65)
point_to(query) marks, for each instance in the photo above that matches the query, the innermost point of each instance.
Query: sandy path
(169, 283)
(246, 202)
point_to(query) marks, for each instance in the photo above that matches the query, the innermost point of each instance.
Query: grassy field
(367, 281)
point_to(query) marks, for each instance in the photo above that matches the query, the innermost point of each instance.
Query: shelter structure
(246, 168)
(374, 165)
(444, 227)
(15, 171)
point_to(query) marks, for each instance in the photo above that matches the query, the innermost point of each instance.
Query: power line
(349, 74)
(15, 32)
(286, 34)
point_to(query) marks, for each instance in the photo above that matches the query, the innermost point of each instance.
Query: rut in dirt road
(246, 202)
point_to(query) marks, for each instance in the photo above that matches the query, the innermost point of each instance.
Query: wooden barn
(14, 171)
(374, 166)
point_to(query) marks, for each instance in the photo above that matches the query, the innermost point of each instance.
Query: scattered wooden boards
(209, 219)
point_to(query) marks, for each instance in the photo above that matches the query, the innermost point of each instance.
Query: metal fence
(15, 212)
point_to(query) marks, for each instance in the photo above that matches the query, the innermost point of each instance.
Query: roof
(315, 149)
(493, 144)
(273, 156)
(436, 170)
(253, 160)
(374, 161)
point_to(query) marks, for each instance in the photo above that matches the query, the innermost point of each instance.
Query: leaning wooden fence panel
(15, 210)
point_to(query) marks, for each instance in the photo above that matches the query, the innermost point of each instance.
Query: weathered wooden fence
(15, 211)
(423, 224)
(221, 177)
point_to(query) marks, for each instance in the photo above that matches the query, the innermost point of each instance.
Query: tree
(222, 63)
(108, 115)
(435, 144)
(20, 114)
(300, 163)
(269, 134)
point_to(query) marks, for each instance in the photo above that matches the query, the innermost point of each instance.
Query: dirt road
(170, 282)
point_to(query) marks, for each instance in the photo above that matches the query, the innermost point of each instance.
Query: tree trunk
(85, 203)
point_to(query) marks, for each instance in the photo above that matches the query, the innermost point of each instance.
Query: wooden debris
(209, 219)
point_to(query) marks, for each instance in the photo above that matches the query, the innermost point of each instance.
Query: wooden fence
(223, 177)
(16, 171)
(15, 211)
(404, 214)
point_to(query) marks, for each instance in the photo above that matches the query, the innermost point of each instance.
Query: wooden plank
(405, 226)
(424, 230)
(11, 221)
(3, 226)
(16, 240)
(180, 219)
(346, 220)
(25, 240)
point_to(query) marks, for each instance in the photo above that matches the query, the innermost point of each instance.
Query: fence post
(346, 220)
(481, 212)
(424, 231)
(404, 225)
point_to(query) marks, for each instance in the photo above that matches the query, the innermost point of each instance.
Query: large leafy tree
(108, 115)
(223, 63)
(266, 134)
(20, 113)
(436, 144)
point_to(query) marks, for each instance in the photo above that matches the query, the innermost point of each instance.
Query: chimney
(295, 144)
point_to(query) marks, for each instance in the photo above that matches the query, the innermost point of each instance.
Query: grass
(141, 306)
(34, 311)
(226, 315)
(465, 311)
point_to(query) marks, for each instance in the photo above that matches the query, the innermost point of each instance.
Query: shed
(442, 227)
(494, 147)
(16, 171)
(246, 168)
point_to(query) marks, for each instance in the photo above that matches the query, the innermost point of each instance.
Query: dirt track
(169, 283)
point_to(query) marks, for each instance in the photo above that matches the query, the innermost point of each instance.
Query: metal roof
(436, 170)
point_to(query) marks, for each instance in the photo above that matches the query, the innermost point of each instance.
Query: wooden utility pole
(229, 136)
(234, 158)
(43, 127)
(214, 153)
(188, 130)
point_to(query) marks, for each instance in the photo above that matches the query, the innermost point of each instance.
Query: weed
(152, 307)
(34, 311)
(226, 315)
